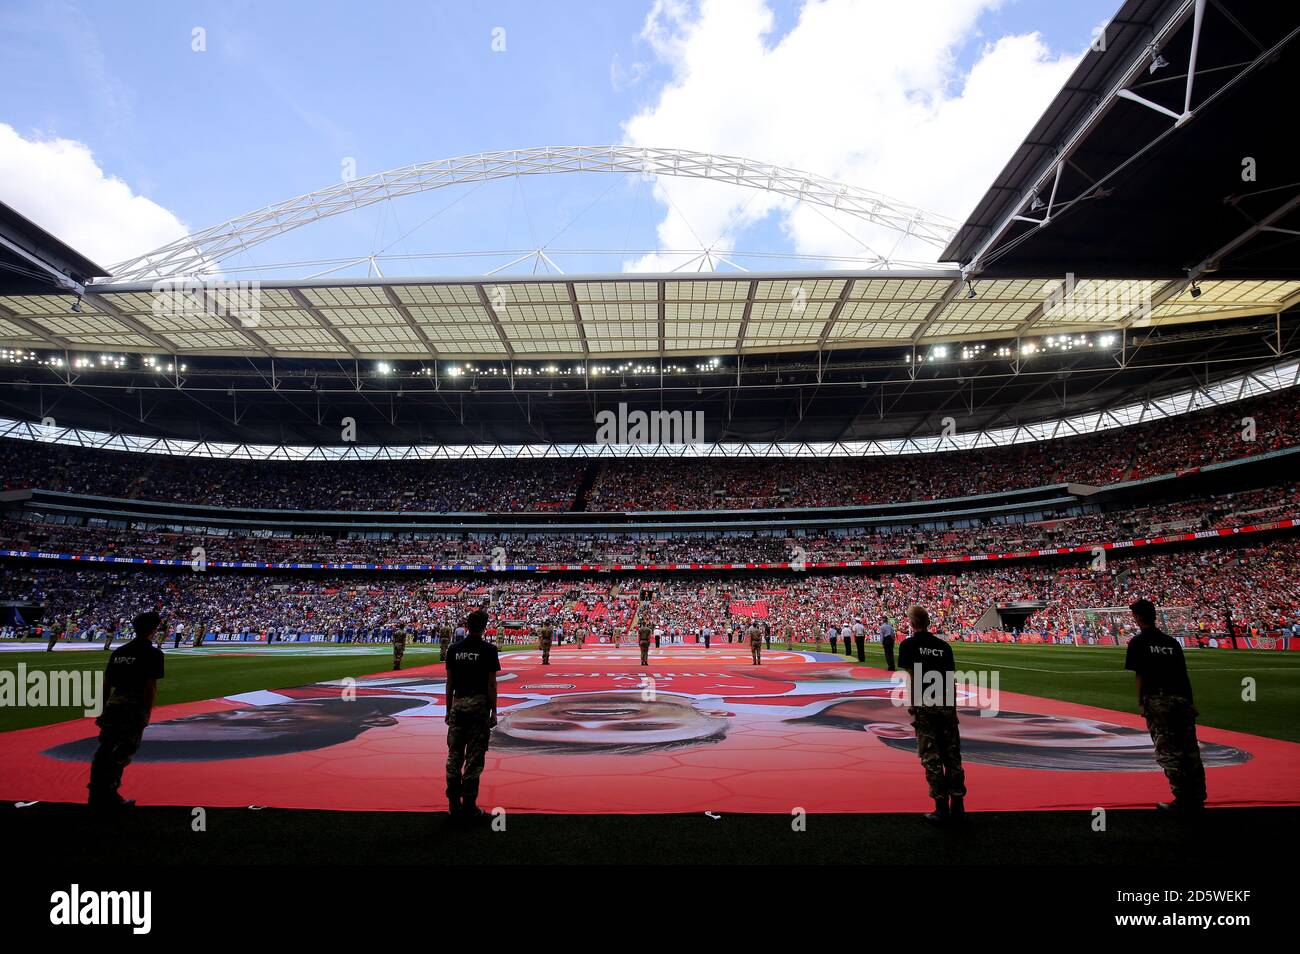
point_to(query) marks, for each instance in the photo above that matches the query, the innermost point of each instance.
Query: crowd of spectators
(278, 608)
(505, 486)
(736, 547)
(1258, 585)
(549, 485)
(1159, 447)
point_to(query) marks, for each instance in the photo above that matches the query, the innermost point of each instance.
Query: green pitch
(210, 672)
(1093, 676)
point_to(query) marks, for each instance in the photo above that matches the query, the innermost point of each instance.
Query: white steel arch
(197, 254)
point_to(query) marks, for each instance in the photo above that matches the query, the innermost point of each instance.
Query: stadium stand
(1164, 446)
(1257, 582)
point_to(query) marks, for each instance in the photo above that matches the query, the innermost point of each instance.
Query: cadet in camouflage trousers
(1171, 720)
(1165, 700)
(399, 647)
(939, 746)
(643, 640)
(469, 728)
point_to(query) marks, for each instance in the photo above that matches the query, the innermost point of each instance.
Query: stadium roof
(32, 260)
(1164, 155)
(610, 316)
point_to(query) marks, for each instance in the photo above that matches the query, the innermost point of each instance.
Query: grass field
(1090, 675)
(1093, 676)
(190, 678)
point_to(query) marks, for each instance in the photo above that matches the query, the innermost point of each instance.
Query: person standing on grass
(887, 642)
(471, 715)
(1165, 700)
(928, 662)
(56, 633)
(544, 641)
(756, 644)
(643, 640)
(860, 640)
(399, 646)
(131, 682)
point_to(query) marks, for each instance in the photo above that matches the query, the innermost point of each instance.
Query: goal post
(1114, 626)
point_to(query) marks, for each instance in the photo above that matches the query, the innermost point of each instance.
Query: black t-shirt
(1158, 659)
(934, 656)
(129, 670)
(471, 664)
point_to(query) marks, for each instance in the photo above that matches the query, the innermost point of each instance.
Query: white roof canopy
(608, 316)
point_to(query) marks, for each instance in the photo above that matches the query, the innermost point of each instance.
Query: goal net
(1114, 626)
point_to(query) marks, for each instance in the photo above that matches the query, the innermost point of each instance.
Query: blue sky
(285, 92)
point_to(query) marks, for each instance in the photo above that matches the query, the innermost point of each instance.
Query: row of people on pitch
(1257, 584)
(1164, 698)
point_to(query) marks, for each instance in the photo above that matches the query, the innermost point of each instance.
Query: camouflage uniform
(756, 645)
(399, 647)
(1171, 720)
(468, 734)
(938, 740)
(121, 728)
(544, 636)
(127, 708)
(644, 640)
(939, 746)
(444, 642)
(1165, 700)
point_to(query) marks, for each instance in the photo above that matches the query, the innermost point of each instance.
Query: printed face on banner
(587, 736)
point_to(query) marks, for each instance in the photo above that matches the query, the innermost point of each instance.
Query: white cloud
(58, 185)
(622, 77)
(866, 93)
